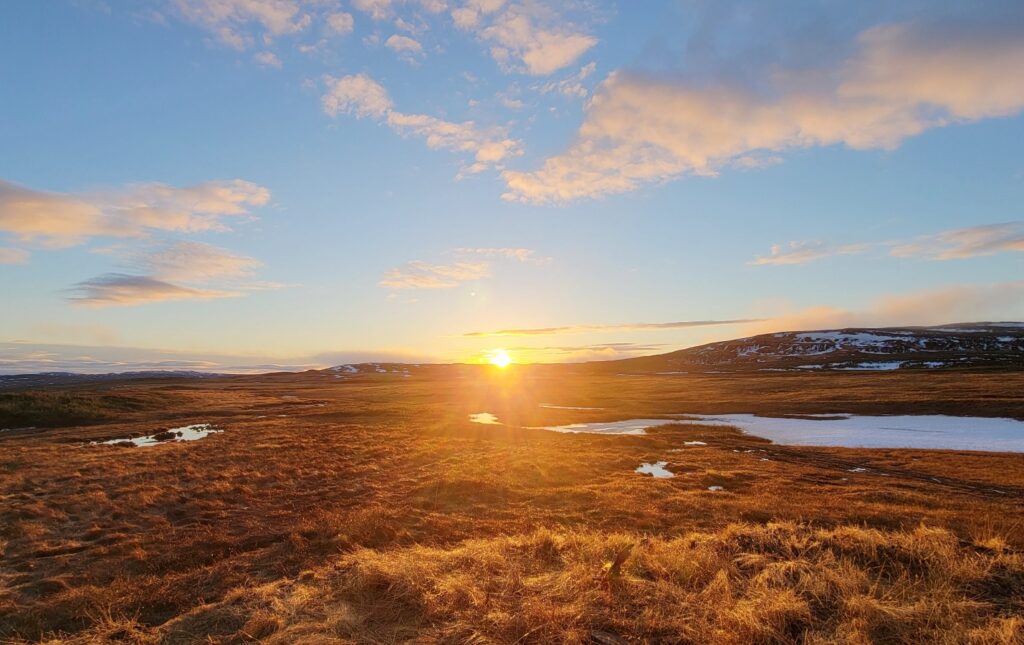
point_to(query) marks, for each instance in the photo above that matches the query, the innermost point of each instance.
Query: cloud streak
(901, 80)
(421, 275)
(121, 289)
(360, 96)
(956, 244)
(950, 304)
(584, 329)
(58, 220)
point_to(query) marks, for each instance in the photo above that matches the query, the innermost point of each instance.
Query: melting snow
(715, 488)
(184, 433)
(694, 443)
(485, 418)
(629, 426)
(853, 431)
(656, 469)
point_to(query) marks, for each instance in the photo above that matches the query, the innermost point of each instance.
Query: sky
(248, 185)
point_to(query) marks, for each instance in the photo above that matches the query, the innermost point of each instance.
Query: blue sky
(226, 183)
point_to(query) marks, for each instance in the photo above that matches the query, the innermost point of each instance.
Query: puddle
(656, 470)
(853, 431)
(485, 418)
(184, 433)
(629, 426)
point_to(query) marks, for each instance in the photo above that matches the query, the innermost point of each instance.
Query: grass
(370, 510)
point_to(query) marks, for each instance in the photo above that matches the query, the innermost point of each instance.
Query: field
(370, 509)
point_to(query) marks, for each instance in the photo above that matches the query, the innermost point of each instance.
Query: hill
(976, 345)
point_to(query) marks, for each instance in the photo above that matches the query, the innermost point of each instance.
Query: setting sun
(499, 358)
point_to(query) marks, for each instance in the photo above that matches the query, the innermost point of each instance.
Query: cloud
(957, 244)
(192, 262)
(376, 9)
(582, 353)
(407, 48)
(268, 59)
(471, 12)
(963, 243)
(956, 303)
(901, 80)
(360, 96)
(177, 271)
(585, 329)
(13, 256)
(572, 86)
(231, 20)
(60, 220)
(357, 95)
(421, 275)
(32, 357)
(524, 37)
(340, 23)
(520, 254)
(803, 251)
(122, 289)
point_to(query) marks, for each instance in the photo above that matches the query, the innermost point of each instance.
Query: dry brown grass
(374, 512)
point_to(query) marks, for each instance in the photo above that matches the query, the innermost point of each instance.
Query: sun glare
(499, 358)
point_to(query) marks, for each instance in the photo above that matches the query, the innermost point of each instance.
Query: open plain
(370, 508)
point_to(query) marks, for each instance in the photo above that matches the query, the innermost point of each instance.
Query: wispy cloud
(520, 254)
(528, 37)
(178, 271)
(572, 86)
(583, 329)
(421, 275)
(581, 353)
(361, 96)
(384, 9)
(233, 22)
(13, 256)
(60, 220)
(32, 357)
(803, 251)
(965, 242)
(901, 80)
(268, 59)
(123, 289)
(192, 262)
(956, 244)
(955, 303)
(408, 49)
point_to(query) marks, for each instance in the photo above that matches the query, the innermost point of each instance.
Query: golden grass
(773, 583)
(374, 512)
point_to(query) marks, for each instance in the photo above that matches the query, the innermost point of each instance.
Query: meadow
(369, 509)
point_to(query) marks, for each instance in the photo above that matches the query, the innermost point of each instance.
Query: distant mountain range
(985, 344)
(994, 345)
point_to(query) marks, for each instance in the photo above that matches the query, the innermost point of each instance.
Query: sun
(499, 358)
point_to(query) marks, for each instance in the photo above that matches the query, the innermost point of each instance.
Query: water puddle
(184, 433)
(656, 470)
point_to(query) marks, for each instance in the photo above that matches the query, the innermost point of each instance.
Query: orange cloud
(902, 80)
(59, 220)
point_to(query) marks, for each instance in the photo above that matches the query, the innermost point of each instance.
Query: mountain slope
(961, 345)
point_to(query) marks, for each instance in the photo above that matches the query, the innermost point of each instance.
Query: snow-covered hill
(985, 344)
